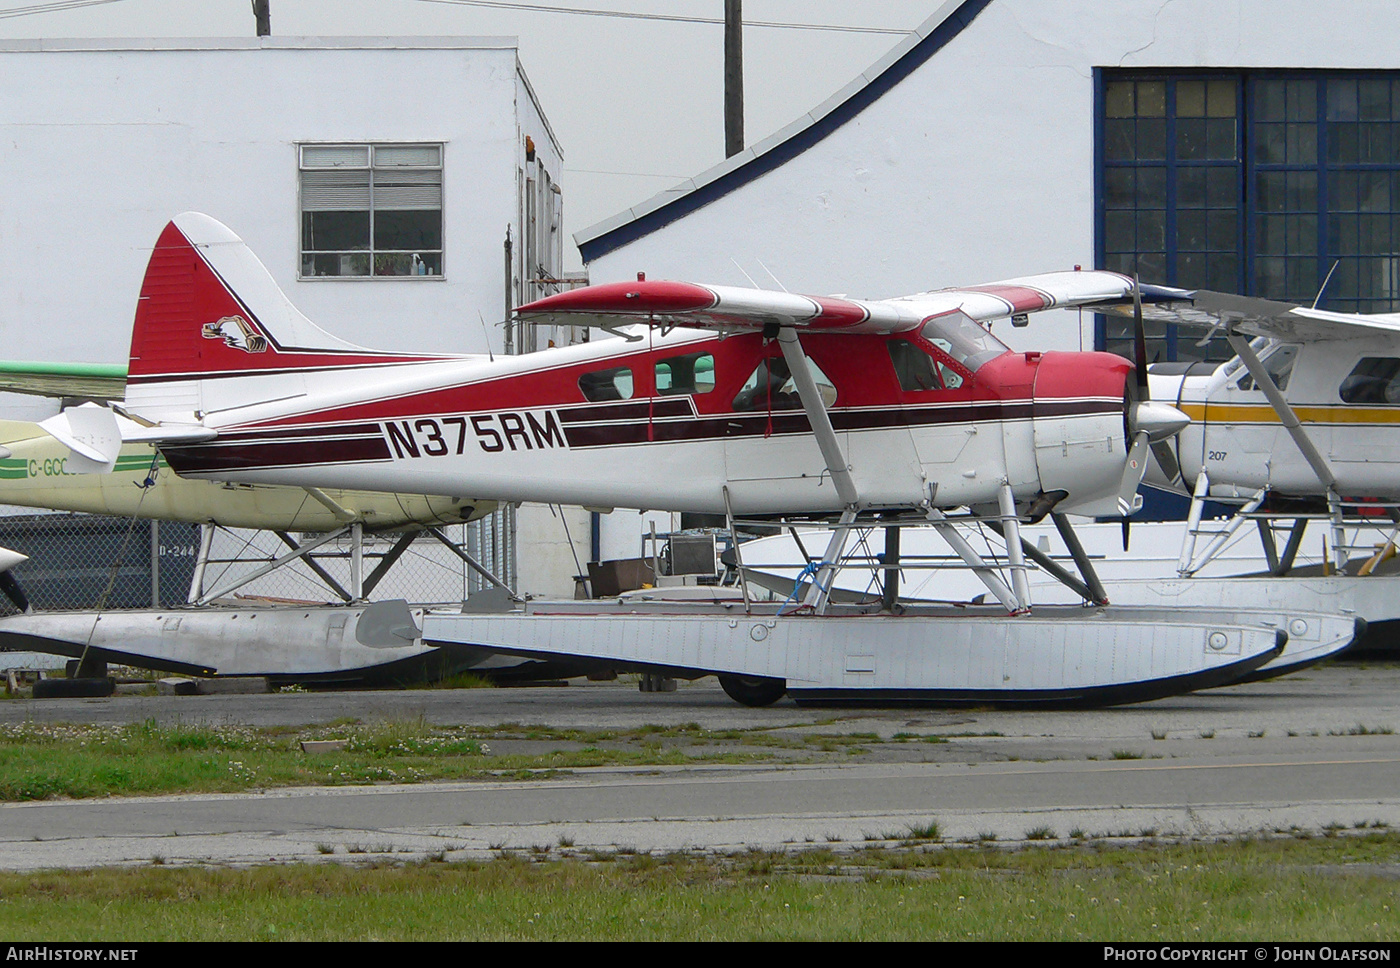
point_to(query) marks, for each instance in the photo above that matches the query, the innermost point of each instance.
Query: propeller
(1150, 424)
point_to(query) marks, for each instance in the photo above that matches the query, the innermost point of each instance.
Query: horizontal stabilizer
(91, 433)
(95, 435)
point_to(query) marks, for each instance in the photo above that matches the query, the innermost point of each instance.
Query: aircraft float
(1301, 427)
(736, 401)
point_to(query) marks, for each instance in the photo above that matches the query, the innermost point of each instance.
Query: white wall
(979, 166)
(102, 147)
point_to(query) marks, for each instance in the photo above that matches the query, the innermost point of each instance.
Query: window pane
(388, 156)
(1119, 140)
(1151, 139)
(1221, 140)
(1373, 99)
(692, 373)
(1341, 100)
(1190, 139)
(1191, 99)
(334, 156)
(914, 368)
(408, 230)
(1191, 230)
(334, 231)
(1118, 99)
(407, 189)
(1221, 98)
(1118, 188)
(323, 191)
(1152, 99)
(603, 385)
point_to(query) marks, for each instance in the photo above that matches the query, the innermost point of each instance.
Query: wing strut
(979, 566)
(1285, 413)
(817, 416)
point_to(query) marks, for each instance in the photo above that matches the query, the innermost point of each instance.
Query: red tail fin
(209, 308)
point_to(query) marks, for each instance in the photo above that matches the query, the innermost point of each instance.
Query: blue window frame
(1259, 182)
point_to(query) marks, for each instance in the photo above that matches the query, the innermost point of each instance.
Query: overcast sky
(636, 104)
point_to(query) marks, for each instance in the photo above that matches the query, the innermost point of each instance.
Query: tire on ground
(753, 690)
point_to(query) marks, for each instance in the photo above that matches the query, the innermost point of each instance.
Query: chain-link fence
(86, 561)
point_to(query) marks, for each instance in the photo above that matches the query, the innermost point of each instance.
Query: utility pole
(733, 77)
(262, 10)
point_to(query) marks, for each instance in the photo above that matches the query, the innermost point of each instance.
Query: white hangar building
(379, 179)
(1239, 145)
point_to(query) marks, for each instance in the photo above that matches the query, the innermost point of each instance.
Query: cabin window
(603, 385)
(1279, 366)
(771, 387)
(1376, 379)
(692, 373)
(371, 210)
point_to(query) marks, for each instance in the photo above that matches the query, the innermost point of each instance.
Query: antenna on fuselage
(487, 333)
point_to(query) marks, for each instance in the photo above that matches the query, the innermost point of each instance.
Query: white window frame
(414, 258)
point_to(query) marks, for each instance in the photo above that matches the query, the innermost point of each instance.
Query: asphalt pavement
(1318, 751)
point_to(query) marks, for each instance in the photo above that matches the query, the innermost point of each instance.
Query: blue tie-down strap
(809, 572)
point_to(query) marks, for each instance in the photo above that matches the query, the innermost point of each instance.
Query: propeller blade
(1127, 523)
(1139, 340)
(1136, 466)
(13, 592)
(1166, 459)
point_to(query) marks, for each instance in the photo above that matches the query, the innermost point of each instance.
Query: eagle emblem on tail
(237, 332)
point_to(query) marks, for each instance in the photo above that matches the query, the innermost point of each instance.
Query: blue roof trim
(780, 154)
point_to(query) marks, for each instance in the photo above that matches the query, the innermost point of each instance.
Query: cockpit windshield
(958, 335)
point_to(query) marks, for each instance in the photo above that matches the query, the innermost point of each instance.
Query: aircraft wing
(1264, 317)
(94, 381)
(667, 303)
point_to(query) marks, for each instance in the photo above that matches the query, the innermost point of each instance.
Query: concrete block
(240, 686)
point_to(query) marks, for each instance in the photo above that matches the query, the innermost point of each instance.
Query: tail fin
(209, 308)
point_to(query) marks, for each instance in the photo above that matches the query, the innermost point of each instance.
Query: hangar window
(371, 210)
(1260, 182)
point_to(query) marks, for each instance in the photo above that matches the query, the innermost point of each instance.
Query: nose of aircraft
(1093, 430)
(1156, 419)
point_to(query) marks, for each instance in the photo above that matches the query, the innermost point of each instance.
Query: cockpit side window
(1279, 366)
(1376, 379)
(915, 369)
(600, 386)
(960, 336)
(771, 387)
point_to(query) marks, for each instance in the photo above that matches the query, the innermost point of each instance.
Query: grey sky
(635, 104)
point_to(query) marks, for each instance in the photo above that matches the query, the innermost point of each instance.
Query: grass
(43, 761)
(1323, 889)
